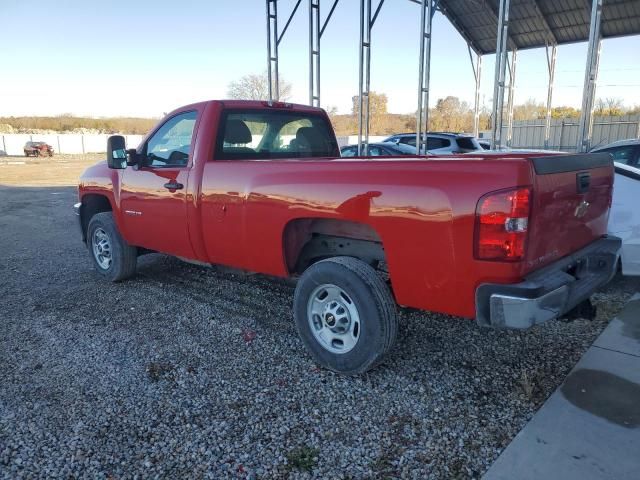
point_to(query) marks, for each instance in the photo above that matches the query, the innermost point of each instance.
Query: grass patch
(302, 458)
(156, 371)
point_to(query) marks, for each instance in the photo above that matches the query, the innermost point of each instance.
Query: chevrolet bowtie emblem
(581, 210)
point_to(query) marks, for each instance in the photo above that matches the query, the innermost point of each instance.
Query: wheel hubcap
(333, 318)
(102, 248)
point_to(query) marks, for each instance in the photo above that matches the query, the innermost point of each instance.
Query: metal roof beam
(552, 36)
(511, 44)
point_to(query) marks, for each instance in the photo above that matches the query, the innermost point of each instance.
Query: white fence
(564, 132)
(13, 143)
(353, 139)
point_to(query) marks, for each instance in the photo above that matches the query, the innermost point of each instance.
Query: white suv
(441, 143)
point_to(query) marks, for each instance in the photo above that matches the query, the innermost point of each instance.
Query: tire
(116, 259)
(351, 284)
(36, 153)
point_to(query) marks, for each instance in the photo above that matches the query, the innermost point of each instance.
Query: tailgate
(571, 201)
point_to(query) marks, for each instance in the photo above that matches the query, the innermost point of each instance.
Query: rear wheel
(345, 315)
(36, 153)
(113, 257)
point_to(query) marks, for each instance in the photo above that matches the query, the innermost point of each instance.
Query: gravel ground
(193, 371)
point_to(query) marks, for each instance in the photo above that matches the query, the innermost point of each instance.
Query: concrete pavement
(589, 428)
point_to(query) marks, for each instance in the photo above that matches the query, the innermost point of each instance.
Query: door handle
(174, 186)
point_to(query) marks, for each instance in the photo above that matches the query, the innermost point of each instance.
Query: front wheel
(345, 315)
(113, 257)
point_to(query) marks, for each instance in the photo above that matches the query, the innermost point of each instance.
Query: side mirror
(116, 152)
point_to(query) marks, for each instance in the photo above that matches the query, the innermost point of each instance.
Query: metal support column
(500, 73)
(314, 53)
(272, 50)
(590, 78)
(477, 72)
(422, 120)
(273, 42)
(512, 87)
(364, 77)
(551, 65)
(315, 36)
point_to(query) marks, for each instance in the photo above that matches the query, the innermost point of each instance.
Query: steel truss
(500, 74)
(368, 18)
(551, 67)
(427, 9)
(585, 129)
(477, 73)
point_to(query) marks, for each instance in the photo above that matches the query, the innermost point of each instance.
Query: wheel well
(309, 240)
(92, 204)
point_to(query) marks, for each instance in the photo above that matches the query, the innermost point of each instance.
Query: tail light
(502, 222)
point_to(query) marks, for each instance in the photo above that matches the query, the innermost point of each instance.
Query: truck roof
(254, 104)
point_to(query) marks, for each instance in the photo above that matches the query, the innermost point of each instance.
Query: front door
(153, 193)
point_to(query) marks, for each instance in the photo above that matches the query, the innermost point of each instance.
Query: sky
(147, 57)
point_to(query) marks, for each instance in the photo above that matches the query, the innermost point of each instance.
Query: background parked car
(380, 149)
(440, 143)
(624, 219)
(626, 152)
(38, 149)
(485, 144)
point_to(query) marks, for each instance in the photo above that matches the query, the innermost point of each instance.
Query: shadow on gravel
(193, 371)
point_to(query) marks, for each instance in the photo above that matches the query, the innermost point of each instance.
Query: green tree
(377, 111)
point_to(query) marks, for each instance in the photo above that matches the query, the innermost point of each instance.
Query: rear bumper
(551, 291)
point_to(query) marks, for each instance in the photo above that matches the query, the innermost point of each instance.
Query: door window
(409, 140)
(433, 143)
(171, 144)
(349, 152)
(376, 152)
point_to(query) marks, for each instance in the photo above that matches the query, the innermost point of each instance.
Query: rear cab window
(264, 134)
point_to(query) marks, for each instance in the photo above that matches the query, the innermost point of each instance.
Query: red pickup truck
(510, 240)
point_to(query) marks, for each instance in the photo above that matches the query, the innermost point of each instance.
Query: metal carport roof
(536, 23)
(488, 27)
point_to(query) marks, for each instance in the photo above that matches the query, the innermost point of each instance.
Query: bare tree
(256, 87)
(529, 110)
(609, 106)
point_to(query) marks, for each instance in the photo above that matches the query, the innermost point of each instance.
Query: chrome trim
(519, 312)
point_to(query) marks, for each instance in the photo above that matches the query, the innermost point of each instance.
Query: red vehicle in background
(38, 149)
(511, 240)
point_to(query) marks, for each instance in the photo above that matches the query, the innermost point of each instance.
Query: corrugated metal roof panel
(534, 23)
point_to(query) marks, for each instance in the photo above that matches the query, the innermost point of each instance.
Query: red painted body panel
(235, 212)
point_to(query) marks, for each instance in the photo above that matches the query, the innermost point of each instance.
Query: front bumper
(551, 291)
